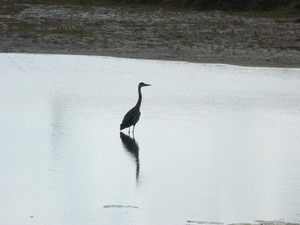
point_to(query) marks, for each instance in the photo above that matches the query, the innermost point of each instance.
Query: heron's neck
(138, 104)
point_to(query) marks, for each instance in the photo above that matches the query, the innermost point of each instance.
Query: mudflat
(151, 33)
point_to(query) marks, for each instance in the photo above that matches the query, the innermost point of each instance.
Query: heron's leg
(133, 129)
(128, 130)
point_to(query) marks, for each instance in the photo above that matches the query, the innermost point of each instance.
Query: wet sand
(150, 33)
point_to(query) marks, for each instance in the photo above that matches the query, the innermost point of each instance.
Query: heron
(133, 115)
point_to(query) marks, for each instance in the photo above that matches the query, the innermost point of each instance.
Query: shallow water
(215, 143)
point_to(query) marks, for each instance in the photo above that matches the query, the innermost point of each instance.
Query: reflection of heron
(133, 115)
(132, 147)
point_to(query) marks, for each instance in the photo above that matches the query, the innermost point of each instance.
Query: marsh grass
(91, 26)
(31, 29)
(78, 31)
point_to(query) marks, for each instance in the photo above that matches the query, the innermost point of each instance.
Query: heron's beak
(147, 84)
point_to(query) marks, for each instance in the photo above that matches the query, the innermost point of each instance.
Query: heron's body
(131, 118)
(133, 115)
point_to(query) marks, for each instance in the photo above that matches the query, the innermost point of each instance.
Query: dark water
(215, 143)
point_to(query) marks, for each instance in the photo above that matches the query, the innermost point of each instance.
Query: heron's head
(142, 84)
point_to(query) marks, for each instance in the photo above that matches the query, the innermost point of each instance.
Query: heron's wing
(128, 119)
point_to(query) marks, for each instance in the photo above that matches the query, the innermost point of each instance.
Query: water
(215, 143)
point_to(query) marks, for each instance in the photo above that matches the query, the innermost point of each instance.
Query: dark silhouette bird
(133, 115)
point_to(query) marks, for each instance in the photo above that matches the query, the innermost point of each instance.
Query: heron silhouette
(133, 115)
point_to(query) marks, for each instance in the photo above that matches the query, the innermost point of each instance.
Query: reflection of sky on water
(214, 142)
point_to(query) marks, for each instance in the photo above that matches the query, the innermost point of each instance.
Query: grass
(75, 31)
(27, 29)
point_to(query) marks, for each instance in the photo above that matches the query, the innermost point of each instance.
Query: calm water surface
(215, 143)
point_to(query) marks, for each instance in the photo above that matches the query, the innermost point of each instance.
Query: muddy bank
(150, 33)
(257, 222)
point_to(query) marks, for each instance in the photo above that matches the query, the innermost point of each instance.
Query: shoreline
(151, 33)
(204, 61)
